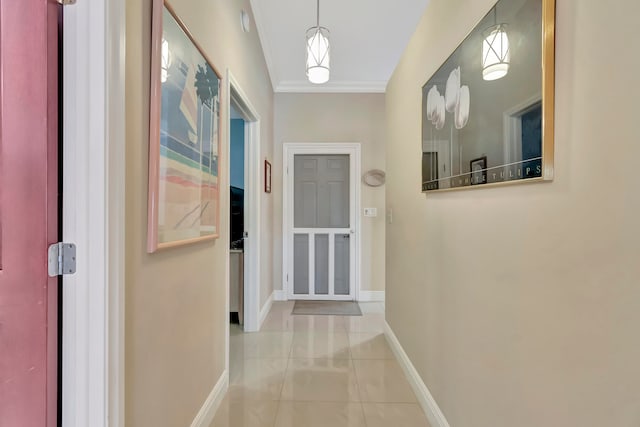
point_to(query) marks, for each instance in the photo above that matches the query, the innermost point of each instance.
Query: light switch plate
(371, 212)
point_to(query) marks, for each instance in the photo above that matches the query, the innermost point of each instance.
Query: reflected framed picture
(184, 136)
(267, 176)
(488, 111)
(478, 168)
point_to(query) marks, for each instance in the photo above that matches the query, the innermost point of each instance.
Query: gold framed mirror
(487, 112)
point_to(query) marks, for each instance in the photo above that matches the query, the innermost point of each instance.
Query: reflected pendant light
(166, 61)
(496, 54)
(318, 52)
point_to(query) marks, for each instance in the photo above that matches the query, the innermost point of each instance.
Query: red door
(28, 211)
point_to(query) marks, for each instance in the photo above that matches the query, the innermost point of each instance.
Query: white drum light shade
(495, 53)
(318, 55)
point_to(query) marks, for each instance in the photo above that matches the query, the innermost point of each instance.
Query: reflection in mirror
(478, 131)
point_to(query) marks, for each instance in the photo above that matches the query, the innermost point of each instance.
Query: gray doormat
(329, 308)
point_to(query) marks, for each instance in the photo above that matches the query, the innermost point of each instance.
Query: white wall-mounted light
(318, 52)
(245, 21)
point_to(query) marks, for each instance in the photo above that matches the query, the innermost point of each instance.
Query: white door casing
(252, 179)
(93, 213)
(512, 129)
(290, 150)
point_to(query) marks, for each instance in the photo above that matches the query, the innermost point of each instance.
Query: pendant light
(495, 51)
(166, 61)
(318, 52)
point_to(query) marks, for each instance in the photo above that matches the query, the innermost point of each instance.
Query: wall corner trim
(425, 398)
(266, 309)
(208, 411)
(371, 296)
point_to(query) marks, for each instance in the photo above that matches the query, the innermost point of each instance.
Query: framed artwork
(478, 168)
(267, 176)
(491, 103)
(184, 133)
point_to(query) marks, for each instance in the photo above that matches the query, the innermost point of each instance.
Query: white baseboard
(265, 310)
(370, 296)
(279, 295)
(426, 400)
(211, 405)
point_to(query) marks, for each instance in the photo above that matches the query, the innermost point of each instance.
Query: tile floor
(317, 371)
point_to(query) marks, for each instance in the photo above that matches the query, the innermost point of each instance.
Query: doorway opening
(237, 212)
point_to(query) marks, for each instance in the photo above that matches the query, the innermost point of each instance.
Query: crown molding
(331, 87)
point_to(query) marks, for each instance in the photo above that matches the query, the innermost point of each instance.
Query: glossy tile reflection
(261, 345)
(333, 324)
(382, 381)
(317, 371)
(368, 322)
(240, 413)
(320, 414)
(327, 380)
(256, 379)
(394, 414)
(314, 345)
(369, 345)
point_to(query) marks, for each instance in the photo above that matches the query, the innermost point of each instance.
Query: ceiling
(367, 38)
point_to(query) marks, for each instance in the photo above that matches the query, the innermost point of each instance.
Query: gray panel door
(322, 234)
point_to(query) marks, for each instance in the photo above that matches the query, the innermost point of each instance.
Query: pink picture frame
(184, 137)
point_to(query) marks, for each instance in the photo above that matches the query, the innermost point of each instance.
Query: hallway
(317, 371)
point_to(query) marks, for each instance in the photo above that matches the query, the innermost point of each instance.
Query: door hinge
(287, 278)
(62, 259)
(67, 2)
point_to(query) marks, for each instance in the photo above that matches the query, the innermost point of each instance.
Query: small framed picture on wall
(267, 176)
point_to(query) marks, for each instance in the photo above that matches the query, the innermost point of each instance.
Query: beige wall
(519, 306)
(175, 299)
(335, 118)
